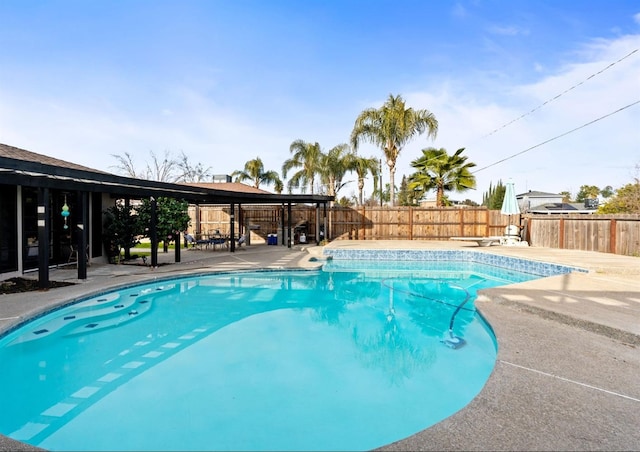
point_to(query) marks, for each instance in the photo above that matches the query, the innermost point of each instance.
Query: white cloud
(459, 11)
(508, 30)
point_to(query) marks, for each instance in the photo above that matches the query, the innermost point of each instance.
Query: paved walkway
(567, 375)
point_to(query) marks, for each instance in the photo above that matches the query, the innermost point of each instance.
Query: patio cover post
(243, 226)
(232, 225)
(289, 225)
(81, 233)
(317, 233)
(153, 233)
(44, 228)
(282, 225)
(177, 238)
(324, 222)
(127, 251)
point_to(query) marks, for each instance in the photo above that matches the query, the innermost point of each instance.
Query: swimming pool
(344, 358)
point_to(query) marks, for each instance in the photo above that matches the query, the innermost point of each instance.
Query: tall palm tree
(362, 167)
(278, 186)
(254, 171)
(391, 127)
(307, 157)
(333, 166)
(442, 172)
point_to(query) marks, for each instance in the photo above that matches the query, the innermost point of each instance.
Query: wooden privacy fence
(415, 223)
(362, 223)
(618, 234)
(260, 221)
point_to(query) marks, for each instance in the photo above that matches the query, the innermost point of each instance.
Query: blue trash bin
(272, 239)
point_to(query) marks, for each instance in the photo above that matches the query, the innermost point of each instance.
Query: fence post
(410, 223)
(487, 219)
(612, 236)
(561, 234)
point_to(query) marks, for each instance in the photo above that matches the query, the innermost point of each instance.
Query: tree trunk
(360, 188)
(392, 189)
(439, 195)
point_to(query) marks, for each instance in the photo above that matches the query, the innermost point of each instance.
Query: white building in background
(539, 202)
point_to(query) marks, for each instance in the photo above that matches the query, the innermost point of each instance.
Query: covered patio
(34, 188)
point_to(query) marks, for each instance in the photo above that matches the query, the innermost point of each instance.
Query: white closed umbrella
(510, 203)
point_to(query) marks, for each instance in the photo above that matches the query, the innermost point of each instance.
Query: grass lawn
(145, 248)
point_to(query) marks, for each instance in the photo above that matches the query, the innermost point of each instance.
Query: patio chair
(189, 240)
(218, 241)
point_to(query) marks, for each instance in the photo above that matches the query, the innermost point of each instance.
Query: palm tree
(442, 172)
(363, 166)
(278, 186)
(391, 127)
(254, 171)
(333, 166)
(307, 157)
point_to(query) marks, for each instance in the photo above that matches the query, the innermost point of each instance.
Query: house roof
(561, 207)
(229, 186)
(22, 167)
(22, 154)
(13, 152)
(538, 194)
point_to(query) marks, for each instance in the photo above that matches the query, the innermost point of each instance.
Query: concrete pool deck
(567, 375)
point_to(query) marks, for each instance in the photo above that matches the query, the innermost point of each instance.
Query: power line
(561, 94)
(558, 136)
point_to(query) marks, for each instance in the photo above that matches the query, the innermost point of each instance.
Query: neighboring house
(538, 202)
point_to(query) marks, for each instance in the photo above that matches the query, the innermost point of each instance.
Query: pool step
(91, 315)
(123, 314)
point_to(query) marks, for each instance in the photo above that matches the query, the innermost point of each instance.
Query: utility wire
(557, 136)
(561, 94)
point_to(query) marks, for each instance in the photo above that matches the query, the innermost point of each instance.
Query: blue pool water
(347, 358)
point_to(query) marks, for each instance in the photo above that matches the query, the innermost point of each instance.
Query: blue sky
(227, 81)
